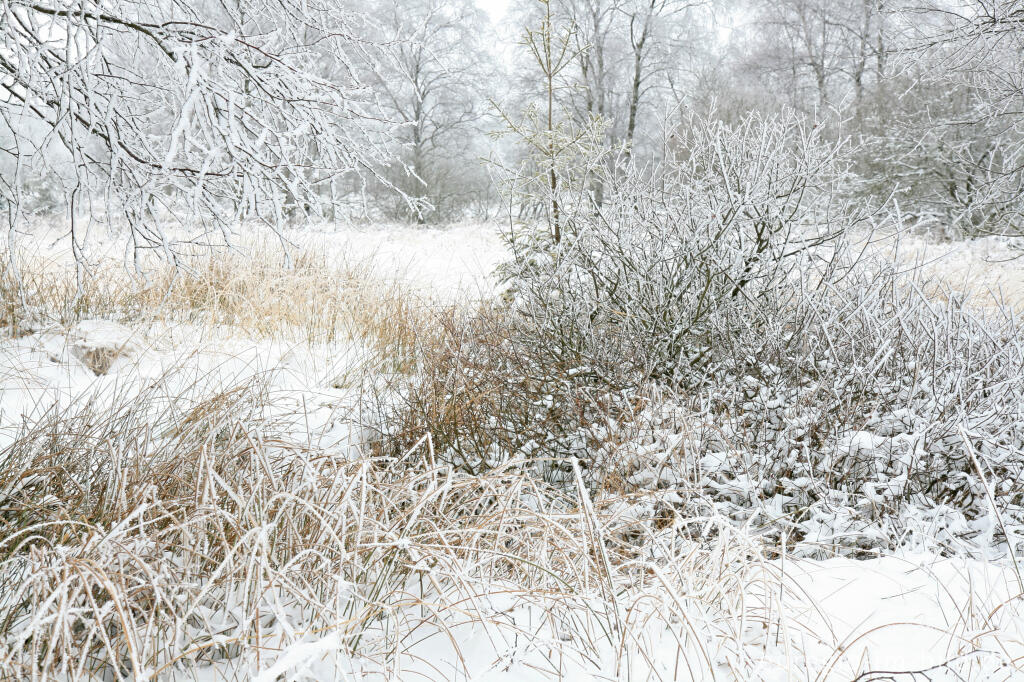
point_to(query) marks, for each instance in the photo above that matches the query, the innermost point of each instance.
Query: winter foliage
(696, 353)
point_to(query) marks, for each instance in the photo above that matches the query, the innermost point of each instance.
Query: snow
(451, 262)
(951, 618)
(910, 611)
(987, 267)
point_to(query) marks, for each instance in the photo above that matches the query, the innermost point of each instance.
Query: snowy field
(296, 550)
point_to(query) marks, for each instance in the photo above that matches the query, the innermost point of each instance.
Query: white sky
(496, 8)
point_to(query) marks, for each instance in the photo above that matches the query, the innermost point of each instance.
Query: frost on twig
(186, 118)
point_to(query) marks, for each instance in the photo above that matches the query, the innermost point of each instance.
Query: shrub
(639, 287)
(707, 330)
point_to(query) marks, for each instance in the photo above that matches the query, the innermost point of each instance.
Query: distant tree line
(211, 113)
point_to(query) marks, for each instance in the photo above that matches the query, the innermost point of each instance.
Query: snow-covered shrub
(877, 411)
(639, 287)
(954, 165)
(829, 400)
(707, 331)
(485, 397)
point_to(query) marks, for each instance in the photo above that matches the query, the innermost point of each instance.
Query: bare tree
(828, 46)
(434, 80)
(626, 49)
(609, 61)
(185, 112)
(648, 20)
(595, 22)
(551, 46)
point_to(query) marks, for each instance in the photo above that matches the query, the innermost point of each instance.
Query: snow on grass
(206, 506)
(987, 267)
(453, 262)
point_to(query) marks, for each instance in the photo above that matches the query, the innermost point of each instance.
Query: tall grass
(183, 528)
(260, 293)
(180, 527)
(259, 290)
(182, 532)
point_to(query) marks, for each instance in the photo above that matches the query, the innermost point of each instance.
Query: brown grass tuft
(256, 292)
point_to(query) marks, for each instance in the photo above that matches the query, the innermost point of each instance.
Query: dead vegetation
(175, 529)
(160, 531)
(258, 292)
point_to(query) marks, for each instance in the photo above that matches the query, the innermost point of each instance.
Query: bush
(876, 412)
(707, 331)
(643, 286)
(486, 396)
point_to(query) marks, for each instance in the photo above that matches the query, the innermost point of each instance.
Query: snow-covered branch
(184, 113)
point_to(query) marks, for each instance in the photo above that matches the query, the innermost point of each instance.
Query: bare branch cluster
(175, 113)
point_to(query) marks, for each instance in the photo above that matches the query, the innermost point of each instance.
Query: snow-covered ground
(988, 267)
(905, 617)
(451, 262)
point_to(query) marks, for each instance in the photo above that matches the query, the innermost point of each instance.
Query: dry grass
(258, 292)
(485, 395)
(180, 531)
(177, 529)
(136, 545)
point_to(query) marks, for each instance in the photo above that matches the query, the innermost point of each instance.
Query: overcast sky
(496, 8)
